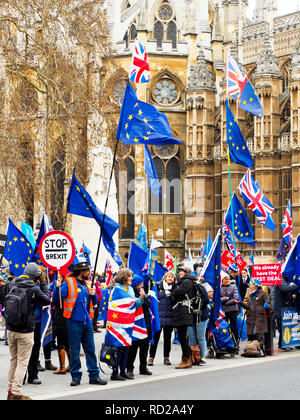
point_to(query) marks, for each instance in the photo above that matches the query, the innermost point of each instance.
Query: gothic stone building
(187, 42)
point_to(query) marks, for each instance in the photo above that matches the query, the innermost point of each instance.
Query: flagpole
(232, 214)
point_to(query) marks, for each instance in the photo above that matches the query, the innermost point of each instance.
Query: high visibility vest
(70, 300)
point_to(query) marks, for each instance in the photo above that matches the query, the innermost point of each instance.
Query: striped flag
(140, 69)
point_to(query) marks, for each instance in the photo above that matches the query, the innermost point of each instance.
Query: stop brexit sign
(57, 250)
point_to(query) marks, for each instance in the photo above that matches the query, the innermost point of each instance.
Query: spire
(264, 9)
(267, 64)
(201, 77)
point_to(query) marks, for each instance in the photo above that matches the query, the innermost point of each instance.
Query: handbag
(109, 356)
(195, 355)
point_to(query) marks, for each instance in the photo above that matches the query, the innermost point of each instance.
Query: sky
(284, 7)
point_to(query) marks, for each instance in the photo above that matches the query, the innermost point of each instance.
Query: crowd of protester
(75, 308)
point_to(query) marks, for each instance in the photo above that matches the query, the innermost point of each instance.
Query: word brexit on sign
(268, 274)
(57, 250)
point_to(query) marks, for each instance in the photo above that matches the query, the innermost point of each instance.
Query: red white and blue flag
(287, 225)
(125, 323)
(108, 273)
(140, 69)
(257, 201)
(240, 87)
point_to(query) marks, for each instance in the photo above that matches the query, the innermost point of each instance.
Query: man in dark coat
(184, 292)
(143, 345)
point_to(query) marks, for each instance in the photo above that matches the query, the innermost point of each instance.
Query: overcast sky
(284, 7)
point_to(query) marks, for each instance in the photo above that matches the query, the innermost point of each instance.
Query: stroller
(221, 341)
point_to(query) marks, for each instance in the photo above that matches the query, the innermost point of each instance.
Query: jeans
(82, 334)
(197, 336)
(122, 361)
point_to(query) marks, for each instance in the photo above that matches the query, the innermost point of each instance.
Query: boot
(49, 366)
(14, 397)
(185, 363)
(62, 358)
(69, 360)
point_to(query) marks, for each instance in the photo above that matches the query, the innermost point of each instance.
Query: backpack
(15, 307)
(252, 349)
(196, 302)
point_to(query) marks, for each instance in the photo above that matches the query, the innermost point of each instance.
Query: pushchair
(221, 341)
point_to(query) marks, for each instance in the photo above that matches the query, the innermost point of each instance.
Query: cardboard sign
(228, 259)
(57, 250)
(268, 274)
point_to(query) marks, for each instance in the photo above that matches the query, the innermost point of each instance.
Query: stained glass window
(165, 91)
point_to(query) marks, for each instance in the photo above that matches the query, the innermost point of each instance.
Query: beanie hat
(256, 282)
(224, 274)
(185, 268)
(234, 268)
(32, 270)
(136, 280)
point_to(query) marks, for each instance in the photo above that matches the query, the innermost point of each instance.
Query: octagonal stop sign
(57, 250)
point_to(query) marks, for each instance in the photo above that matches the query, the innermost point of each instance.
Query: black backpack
(15, 307)
(196, 301)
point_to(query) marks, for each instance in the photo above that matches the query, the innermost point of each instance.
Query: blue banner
(290, 328)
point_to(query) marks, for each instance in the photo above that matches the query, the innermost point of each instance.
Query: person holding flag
(78, 301)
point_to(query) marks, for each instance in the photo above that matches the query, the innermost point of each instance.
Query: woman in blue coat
(165, 289)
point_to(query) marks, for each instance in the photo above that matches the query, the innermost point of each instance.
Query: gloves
(266, 305)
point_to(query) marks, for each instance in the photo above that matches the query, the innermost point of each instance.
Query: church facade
(187, 43)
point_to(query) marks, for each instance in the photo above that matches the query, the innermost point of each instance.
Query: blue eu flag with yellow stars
(103, 305)
(18, 250)
(291, 266)
(153, 181)
(142, 238)
(79, 202)
(242, 227)
(141, 123)
(238, 149)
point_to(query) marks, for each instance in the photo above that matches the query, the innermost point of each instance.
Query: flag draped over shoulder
(211, 273)
(242, 227)
(18, 250)
(141, 123)
(238, 149)
(79, 202)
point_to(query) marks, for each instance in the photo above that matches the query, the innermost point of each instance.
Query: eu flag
(153, 181)
(207, 247)
(79, 202)
(45, 227)
(155, 324)
(212, 275)
(242, 227)
(142, 238)
(238, 149)
(136, 259)
(141, 123)
(18, 250)
(283, 250)
(291, 267)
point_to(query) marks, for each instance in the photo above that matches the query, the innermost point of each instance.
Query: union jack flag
(257, 201)
(140, 69)
(108, 273)
(228, 238)
(240, 87)
(287, 225)
(125, 323)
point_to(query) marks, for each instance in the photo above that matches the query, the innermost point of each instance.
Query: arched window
(133, 33)
(173, 187)
(165, 27)
(155, 202)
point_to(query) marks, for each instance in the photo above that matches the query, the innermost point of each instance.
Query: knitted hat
(223, 275)
(32, 270)
(256, 282)
(136, 280)
(234, 268)
(185, 268)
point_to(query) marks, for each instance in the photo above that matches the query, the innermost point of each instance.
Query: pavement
(58, 386)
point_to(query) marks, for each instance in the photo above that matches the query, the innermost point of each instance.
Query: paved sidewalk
(56, 385)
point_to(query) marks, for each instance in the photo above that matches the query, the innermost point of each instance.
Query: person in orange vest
(78, 300)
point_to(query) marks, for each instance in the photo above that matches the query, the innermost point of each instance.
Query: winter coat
(244, 285)
(165, 306)
(256, 313)
(230, 292)
(205, 309)
(182, 316)
(2, 295)
(36, 295)
(283, 296)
